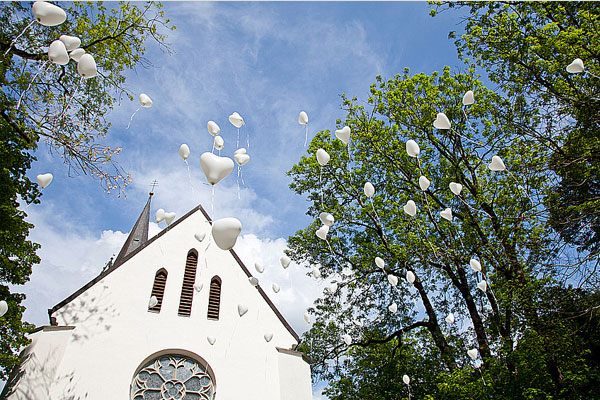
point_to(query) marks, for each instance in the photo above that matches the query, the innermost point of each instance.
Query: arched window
(187, 289)
(174, 377)
(158, 289)
(214, 298)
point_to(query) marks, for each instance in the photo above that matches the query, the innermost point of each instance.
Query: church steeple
(138, 235)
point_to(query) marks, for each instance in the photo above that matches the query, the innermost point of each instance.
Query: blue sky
(265, 60)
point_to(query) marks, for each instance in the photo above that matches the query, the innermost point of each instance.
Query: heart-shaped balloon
(241, 150)
(303, 118)
(160, 215)
(332, 288)
(343, 134)
(276, 288)
(441, 121)
(410, 277)
(225, 231)
(406, 379)
(379, 262)
(3, 308)
(71, 42)
(44, 179)
(199, 236)
(316, 272)
(198, 287)
(184, 151)
(306, 318)
(48, 14)
(241, 158)
(482, 285)
(145, 100)
(447, 214)
(213, 128)
(410, 208)
(242, 309)
(326, 219)
(259, 268)
(468, 98)
(497, 164)
(322, 232)
(218, 142)
(153, 302)
(268, 337)
(393, 308)
(576, 67)
(412, 148)
(253, 281)
(455, 188)
(475, 265)
(285, 261)
(57, 53)
(369, 189)
(347, 339)
(449, 318)
(323, 157)
(86, 66)
(473, 353)
(169, 217)
(236, 120)
(393, 280)
(424, 183)
(215, 168)
(76, 54)
(211, 340)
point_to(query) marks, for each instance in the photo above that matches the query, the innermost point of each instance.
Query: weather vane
(153, 184)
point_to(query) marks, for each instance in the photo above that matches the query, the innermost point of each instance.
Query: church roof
(134, 250)
(138, 235)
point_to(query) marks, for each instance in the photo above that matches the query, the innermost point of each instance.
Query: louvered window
(187, 290)
(214, 298)
(158, 289)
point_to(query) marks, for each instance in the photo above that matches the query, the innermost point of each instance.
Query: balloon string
(231, 338)
(44, 65)
(409, 392)
(17, 38)
(190, 176)
(205, 252)
(333, 254)
(133, 115)
(237, 142)
(212, 200)
(321, 184)
(247, 140)
(483, 380)
(238, 182)
(305, 135)
(68, 103)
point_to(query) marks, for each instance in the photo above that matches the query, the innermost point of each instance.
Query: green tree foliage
(519, 325)
(49, 102)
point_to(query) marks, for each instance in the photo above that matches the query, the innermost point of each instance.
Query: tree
(44, 101)
(499, 219)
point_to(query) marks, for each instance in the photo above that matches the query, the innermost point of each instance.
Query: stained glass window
(172, 377)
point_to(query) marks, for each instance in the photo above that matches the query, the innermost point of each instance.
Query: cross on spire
(153, 184)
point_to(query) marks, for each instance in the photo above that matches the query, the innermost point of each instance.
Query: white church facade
(107, 342)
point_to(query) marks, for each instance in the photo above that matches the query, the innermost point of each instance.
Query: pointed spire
(138, 235)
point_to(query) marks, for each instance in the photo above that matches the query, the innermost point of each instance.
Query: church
(173, 317)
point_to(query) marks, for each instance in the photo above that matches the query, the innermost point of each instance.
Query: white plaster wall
(293, 371)
(115, 333)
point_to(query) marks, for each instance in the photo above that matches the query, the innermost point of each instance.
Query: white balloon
(153, 302)
(393, 308)
(456, 188)
(71, 42)
(393, 280)
(468, 98)
(76, 54)
(198, 287)
(215, 168)
(86, 66)
(473, 353)
(3, 308)
(447, 214)
(242, 309)
(379, 262)
(219, 143)
(213, 128)
(57, 53)
(441, 121)
(259, 268)
(410, 208)
(225, 231)
(322, 232)
(306, 318)
(322, 157)
(412, 148)
(268, 337)
(475, 265)
(303, 118)
(48, 14)
(406, 379)
(343, 134)
(236, 120)
(332, 288)
(369, 189)
(275, 288)
(497, 164)
(169, 217)
(285, 261)
(482, 285)
(44, 179)
(160, 215)
(449, 318)
(253, 281)
(184, 151)
(316, 272)
(241, 150)
(199, 236)
(211, 340)
(326, 219)
(424, 183)
(410, 277)
(145, 100)
(241, 158)
(576, 67)
(347, 339)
